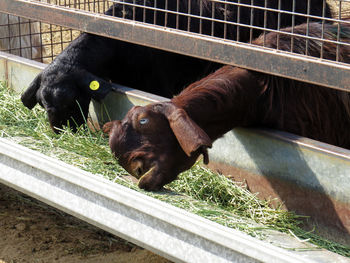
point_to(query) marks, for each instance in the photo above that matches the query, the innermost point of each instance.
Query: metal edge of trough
(152, 224)
(26, 70)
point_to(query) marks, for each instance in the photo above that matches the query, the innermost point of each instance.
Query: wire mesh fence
(42, 41)
(33, 39)
(232, 20)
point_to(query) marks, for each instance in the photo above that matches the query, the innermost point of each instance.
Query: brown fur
(158, 141)
(62, 88)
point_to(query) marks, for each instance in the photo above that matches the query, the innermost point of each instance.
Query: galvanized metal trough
(307, 176)
(311, 178)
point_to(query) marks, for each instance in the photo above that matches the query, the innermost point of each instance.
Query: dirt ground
(31, 231)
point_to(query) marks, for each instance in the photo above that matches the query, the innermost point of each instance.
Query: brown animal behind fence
(19, 42)
(157, 142)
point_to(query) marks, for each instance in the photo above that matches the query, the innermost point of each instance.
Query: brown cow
(157, 142)
(63, 87)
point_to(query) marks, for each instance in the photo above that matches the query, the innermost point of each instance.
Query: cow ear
(28, 97)
(96, 87)
(189, 135)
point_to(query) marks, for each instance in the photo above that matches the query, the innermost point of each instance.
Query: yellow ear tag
(94, 85)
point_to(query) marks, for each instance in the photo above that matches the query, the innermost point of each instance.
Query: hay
(199, 190)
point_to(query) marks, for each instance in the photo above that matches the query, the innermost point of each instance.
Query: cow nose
(137, 169)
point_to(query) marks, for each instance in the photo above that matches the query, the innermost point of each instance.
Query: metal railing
(217, 30)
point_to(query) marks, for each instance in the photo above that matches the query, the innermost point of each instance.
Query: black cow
(86, 68)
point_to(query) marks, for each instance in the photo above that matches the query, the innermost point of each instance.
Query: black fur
(64, 82)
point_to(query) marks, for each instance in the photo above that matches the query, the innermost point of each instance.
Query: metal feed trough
(166, 230)
(309, 177)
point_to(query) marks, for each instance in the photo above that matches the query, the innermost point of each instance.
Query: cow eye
(143, 121)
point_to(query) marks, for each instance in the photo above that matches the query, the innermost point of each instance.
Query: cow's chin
(58, 125)
(59, 121)
(159, 175)
(154, 179)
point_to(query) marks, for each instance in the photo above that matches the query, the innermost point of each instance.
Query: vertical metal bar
(225, 19)
(61, 34)
(8, 35)
(144, 11)
(213, 17)
(189, 18)
(19, 36)
(201, 15)
(252, 9)
(166, 13)
(71, 34)
(238, 19)
(41, 41)
(30, 39)
(338, 32)
(133, 10)
(265, 22)
(155, 13)
(323, 27)
(279, 23)
(113, 9)
(307, 27)
(177, 13)
(293, 25)
(51, 44)
(123, 11)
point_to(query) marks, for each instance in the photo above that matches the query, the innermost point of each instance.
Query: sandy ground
(31, 231)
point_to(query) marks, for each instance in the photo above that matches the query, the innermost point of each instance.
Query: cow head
(65, 96)
(157, 142)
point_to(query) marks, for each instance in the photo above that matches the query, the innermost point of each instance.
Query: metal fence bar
(226, 21)
(265, 29)
(166, 230)
(308, 69)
